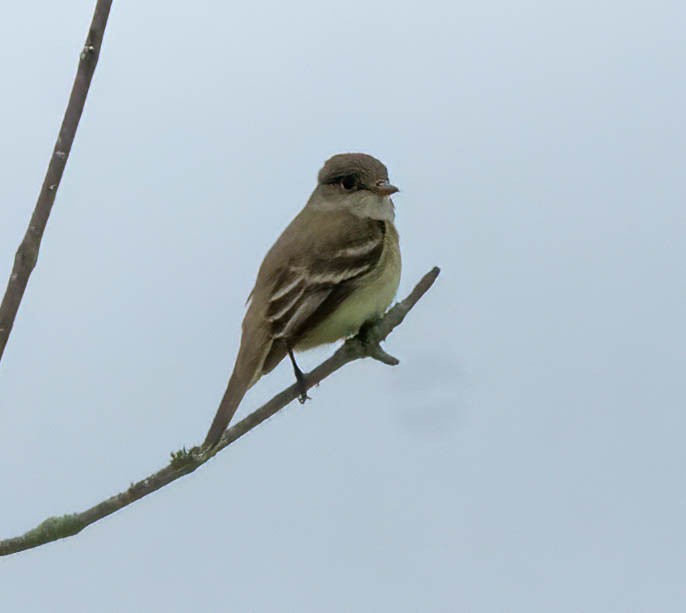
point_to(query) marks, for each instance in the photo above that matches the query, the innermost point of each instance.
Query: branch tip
(377, 353)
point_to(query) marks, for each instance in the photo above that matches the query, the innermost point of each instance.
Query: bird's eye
(348, 183)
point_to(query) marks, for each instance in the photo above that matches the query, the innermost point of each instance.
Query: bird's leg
(299, 378)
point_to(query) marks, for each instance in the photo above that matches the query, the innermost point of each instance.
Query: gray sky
(528, 453)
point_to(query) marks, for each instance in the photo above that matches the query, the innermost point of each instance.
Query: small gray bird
(334, 268)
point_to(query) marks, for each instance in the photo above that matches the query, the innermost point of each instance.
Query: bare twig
(27, 253)
(184, 462)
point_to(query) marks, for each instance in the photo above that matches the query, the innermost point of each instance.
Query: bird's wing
(310, 286)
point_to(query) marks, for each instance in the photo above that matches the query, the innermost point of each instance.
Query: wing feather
(304, 295)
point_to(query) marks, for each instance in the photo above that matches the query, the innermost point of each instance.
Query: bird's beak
(384, 188)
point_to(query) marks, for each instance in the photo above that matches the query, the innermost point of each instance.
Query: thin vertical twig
(27, 252)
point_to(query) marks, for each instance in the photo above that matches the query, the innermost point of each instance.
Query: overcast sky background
(528, 453)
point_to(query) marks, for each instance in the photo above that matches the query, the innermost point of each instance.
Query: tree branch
(27, 252)
(184, 462)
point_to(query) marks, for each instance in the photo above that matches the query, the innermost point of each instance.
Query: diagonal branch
(184, 462)
(27, 252)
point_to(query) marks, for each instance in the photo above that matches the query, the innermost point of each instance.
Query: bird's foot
(302, 386)
(300, 380)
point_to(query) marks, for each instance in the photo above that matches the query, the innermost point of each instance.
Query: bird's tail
(235, 390)
(257, 355)
(246, 372)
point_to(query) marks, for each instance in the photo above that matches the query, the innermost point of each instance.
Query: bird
(335, 268)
